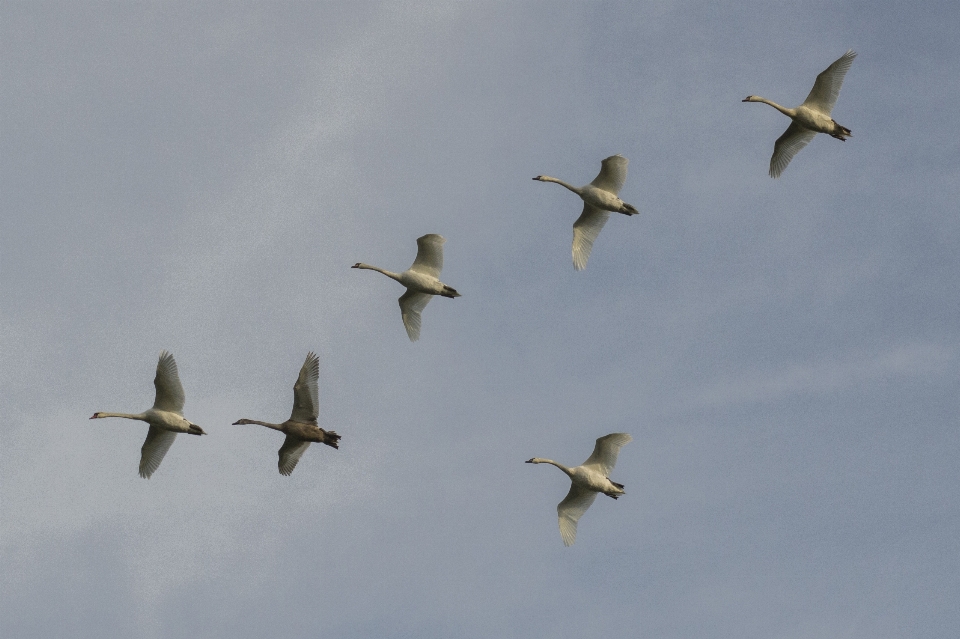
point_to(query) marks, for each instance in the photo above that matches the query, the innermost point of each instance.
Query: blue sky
(784, 352)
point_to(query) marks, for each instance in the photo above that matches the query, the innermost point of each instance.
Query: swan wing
(412, 304)
(823, 96)
(290, 454)
(429, 255)
(170, 395)
(613, 173)
(156, 445)
(605, 452)
(571, 509)
(585, 231)
(788, 145)
(305, 404)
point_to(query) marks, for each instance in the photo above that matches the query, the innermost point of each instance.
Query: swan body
(301, 429)
(811, 117)
(165, 418)
(422, 281)
(587, 481)
(600, 198)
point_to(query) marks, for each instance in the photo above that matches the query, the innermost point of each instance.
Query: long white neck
(547, 178)
(142, 416)
(258, 422)
(790, 113)
(390, 274)
(538, 460)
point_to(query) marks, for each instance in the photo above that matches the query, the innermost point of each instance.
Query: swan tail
(628, 209)
(620, 486)
(330, 438)
(841, 132)
(450, 292)
(195, 430)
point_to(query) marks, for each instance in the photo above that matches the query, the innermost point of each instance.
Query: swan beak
(539, 178)
(237, 423)
(357, 265)
(529, 461)
(95, 415)
(746, 99)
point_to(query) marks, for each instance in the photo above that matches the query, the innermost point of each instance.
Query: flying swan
(301, 428)
(165, 418)
(599, 199)
(586, 481)
(811, 117)
(422, 280)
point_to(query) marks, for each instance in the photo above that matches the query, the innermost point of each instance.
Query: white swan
(422, 280)
(301, 428)
(586, 481)
(599, 199)
(165, 418)
(811, 117)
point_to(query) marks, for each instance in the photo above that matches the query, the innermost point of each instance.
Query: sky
(199, 177)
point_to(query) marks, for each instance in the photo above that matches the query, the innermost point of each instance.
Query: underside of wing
(305, 405)
(585, 231)
(823, 96)
(429, 255)
(170, 395)
(411, 305)
(613, 173)
(604, 456)
(788, 145)
(290, 454)
(570, 510)
(156, 445)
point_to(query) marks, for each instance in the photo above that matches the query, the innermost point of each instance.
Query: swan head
(241, 422)
(751, 98)
(540, 178)
(357, 265)
(534, 460)
(95, 416)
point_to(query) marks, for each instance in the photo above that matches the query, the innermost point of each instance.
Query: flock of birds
(422, 281)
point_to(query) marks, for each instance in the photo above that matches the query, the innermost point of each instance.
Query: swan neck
(782, 109)
(558, 465)
(390, 274)
(259, 423)
(141, 416)
(575, 189)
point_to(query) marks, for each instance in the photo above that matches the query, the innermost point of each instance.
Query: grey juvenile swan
(422, 280)
(301, 428)
(165, 418)
(599, 200)
(811, 117)
(586, 481)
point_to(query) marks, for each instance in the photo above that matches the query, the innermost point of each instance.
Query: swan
(301, 428)
(586, 481)
(422, 280)
(599, 200)
(811, 117)
(165, 418)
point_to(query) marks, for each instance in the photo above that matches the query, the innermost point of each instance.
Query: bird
(599, 200)
(586, 481)
(811, 117)
(422, 280)
(301, 428)
(165, 418)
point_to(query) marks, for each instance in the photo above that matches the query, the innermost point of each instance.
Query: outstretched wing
(604, 456)
(170, 395)
(788, 145)
(613, 173)
(305, 405)
(290, 454)
(156, 445)
(571, 509)
(585, 231)
(823, 96)
(411, 305)
(429, 255)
